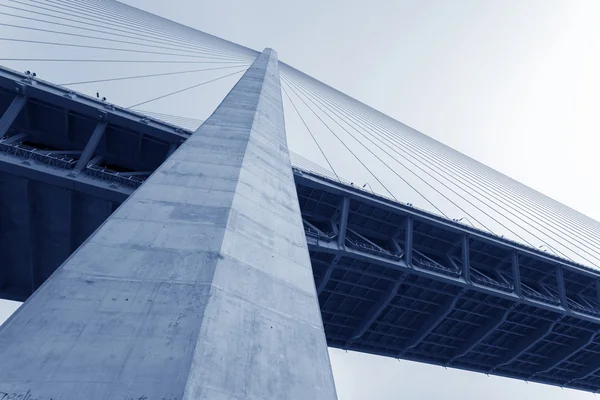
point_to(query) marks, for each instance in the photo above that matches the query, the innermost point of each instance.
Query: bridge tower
(198, 287)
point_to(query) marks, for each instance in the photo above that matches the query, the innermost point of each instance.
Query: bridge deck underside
(373, 301)
(392, 280)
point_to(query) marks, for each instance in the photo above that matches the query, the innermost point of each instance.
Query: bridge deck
(392, 280)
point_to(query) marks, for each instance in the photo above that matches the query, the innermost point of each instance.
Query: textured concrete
(198, 287)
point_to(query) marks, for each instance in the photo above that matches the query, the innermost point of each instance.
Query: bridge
(392, 278)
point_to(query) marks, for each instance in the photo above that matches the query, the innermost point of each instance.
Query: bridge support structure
(198, 287)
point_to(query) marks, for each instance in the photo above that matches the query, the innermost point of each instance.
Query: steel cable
(484, 203)
(184, 89)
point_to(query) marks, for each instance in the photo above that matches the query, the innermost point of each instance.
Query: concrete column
(198, 287)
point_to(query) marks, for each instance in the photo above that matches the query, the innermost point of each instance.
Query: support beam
(408, 241)
(560, 283)
(325, 278)
(195, 288)
(344, 221)
(527, 343)
(565, 353)
(432, 322)
(466, 259)
(95, 161)
(377, 309)
(366, 240)
(90, 147)
(482, 333)
(396, 244)
(11, 114)
(516, 273)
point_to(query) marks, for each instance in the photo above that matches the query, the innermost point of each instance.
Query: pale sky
(513, 84)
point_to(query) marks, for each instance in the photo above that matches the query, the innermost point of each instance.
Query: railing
(425, 262)
(359, 244)
(483, 279)
(310, 231)
(368, 248)
(576, 306)
(112, 176)
(535, 295)
(42, 156)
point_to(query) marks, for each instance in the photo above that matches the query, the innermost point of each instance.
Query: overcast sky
(514, 84)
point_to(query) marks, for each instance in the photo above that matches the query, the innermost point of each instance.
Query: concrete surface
(198, 287)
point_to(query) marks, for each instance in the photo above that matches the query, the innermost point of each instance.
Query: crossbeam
(516, 273)
(11, 114)
(408, 240)
(90, 147)
(566, 352)
(378, 308)
(560, 283)
(482, 333)
(344, 221)
(466, 272)
(591, 369)
(432, 322)
(325, 278)
(528, 342)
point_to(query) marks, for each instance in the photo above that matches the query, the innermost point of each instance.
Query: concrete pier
(198, 287)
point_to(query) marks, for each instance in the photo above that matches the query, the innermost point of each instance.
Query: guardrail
(112, 176)
(43, 156)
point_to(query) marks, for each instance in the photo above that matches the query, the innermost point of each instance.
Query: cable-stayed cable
(115, 28)
(145, 18)
(184, 89)
(117, 61)
(229, 58)
(311, 134)
(490, 216)
(344, 144)
(387, 165)
(553, 239)
(122, 78)
(114, 19)
(100, 48)
(530, 223)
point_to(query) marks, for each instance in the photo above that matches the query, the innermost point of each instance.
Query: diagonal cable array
(121, 78)
(190, 124)
(114, 43)
(439, 178)
(183, 90)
